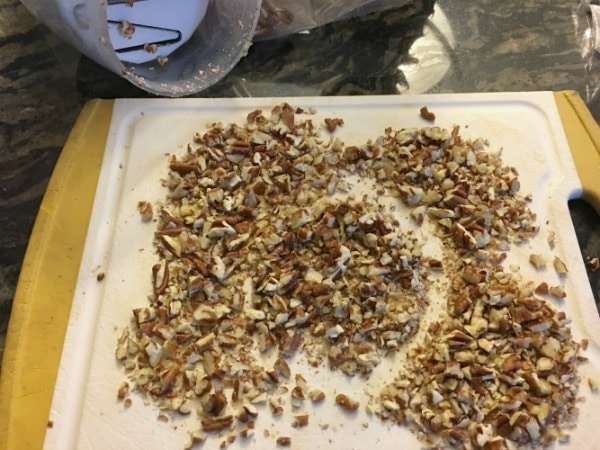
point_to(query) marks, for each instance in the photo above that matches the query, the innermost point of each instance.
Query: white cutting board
(85, 411)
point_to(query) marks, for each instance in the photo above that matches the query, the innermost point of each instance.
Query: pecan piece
(216, 423)
(346, 403)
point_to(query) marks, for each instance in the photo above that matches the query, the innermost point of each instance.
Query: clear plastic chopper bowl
(221, 39)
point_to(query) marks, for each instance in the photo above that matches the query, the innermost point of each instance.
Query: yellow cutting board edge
(583, 136)
(42, 302)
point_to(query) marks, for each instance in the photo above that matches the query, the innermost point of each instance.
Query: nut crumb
(316, 395)
(542, 289)
(300, 421)
(332, 124)
(123, 390)
(126, 28)
(593, 264)
(150, 48)
(246, 433)
(537, 261)
(557, 291)
(346, 403)
(284, 441)
(551, 238)
(196, 438)
(559, 266)
(216, 424)
(426, 114)
(145, 210)
(584, 344)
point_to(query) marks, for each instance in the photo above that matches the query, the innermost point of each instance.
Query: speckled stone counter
(464, 46)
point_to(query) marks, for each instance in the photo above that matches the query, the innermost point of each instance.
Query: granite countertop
(464, 46)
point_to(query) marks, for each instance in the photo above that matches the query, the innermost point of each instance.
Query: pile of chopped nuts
(267, 247)
(499, 367)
